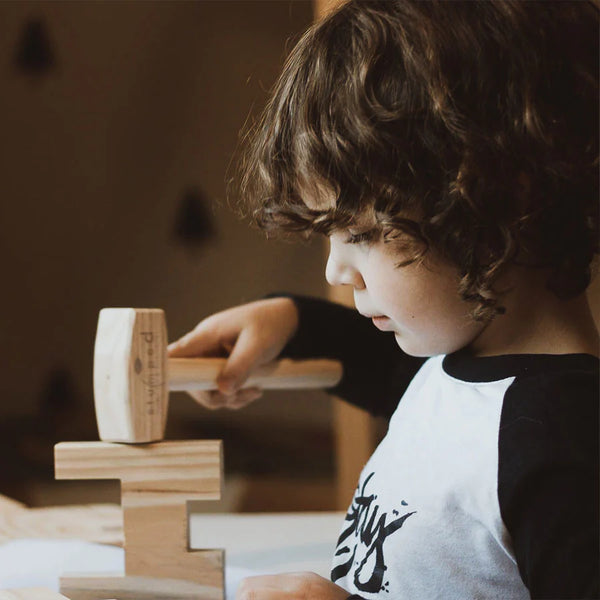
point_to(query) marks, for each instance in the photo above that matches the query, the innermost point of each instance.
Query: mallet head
(131, 391)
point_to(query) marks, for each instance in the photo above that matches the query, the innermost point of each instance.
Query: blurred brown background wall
(127, 124)
(119, 121)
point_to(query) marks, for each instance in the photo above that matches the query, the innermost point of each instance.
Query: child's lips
(382, 323)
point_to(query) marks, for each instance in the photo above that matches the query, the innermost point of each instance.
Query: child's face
(419, 302)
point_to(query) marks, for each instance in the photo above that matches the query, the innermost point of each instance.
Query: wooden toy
(97, 523)
(133, 376)
(30, 594)
(132, 379)
(157, 480)
(92, 587)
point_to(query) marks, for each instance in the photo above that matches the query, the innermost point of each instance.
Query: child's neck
(537, 322)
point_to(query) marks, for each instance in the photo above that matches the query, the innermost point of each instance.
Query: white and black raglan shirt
(486, 484)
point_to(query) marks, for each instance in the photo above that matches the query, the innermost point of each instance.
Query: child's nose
(340, 273)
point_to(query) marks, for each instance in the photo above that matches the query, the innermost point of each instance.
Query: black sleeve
(376, 371)
(548, 482)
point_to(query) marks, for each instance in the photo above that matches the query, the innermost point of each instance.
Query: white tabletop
(254, 544)
(276, 542)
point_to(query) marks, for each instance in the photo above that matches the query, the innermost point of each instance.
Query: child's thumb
(245, 356)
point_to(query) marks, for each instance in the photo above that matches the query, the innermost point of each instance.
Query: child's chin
(417, 348)
(411, 349)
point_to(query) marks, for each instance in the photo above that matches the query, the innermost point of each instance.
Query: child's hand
(249, 335)
(290, 586)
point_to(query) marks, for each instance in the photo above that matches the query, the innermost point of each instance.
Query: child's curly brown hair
(470, 126)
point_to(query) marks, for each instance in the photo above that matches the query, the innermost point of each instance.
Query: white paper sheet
(31, 562)
(254, 545)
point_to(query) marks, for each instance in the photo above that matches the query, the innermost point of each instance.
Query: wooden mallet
(133, 376)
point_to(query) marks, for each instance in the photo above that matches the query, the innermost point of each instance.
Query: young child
(449, 152)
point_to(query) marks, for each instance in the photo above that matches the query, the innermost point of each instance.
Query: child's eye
(360, 238)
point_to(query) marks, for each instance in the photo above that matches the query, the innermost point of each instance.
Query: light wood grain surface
(95, 586)
(157, 481)
(99, 523)
(130, 368)
(31, 594)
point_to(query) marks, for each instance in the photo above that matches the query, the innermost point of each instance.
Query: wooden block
(99, 523)
(10, 506)
(188, 470)
(99, 586)
(157, 480)
(11, 511)
(31, 594)
(130, 374)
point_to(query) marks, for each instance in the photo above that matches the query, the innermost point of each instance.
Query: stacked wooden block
(157, 480)
(132, 379)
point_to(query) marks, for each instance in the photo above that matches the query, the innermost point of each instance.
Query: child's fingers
(211, 400)
(214, 399)
(214, 336)
(245, 356)
(200, 341)
(249, 335)
(244, 397)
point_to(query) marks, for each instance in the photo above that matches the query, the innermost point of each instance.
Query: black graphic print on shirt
(361, 544)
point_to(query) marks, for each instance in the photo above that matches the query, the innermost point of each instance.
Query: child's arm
(548, 482)
(376, 371)
(250, 335)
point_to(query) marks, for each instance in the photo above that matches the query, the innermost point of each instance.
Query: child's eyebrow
(364, 228)
(365, 221)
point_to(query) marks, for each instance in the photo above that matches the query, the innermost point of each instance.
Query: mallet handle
(201, 374)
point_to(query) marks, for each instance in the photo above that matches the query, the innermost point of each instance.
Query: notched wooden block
(157, 481)
(190, 469)
(98, 587)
